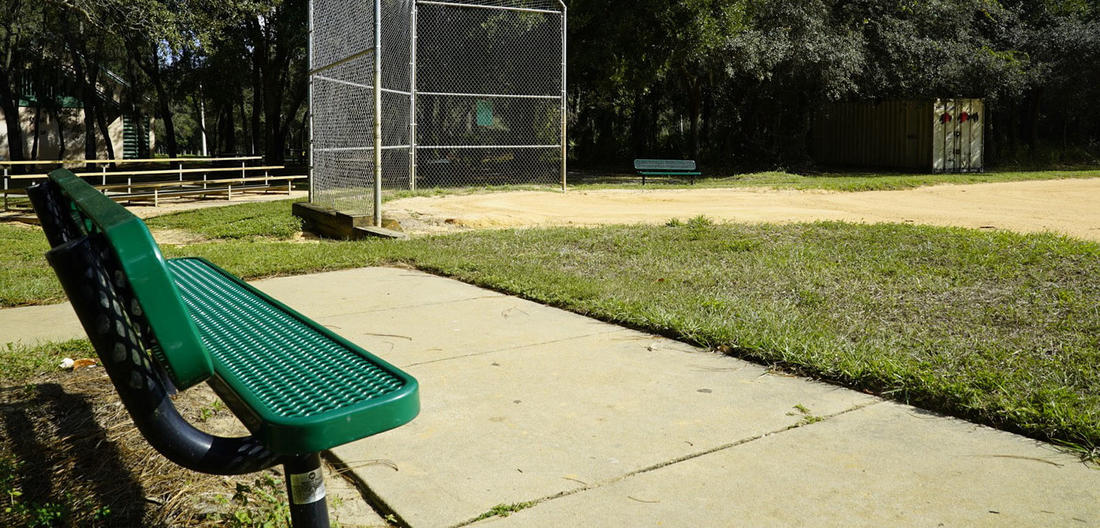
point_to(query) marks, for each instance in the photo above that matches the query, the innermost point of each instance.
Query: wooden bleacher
(154, 185)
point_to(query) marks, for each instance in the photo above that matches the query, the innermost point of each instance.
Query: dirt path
(1070, 207)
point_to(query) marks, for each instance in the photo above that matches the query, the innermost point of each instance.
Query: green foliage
(259, 505)
(20, 512)
(209, 411)
(738, 81)
(733, 82)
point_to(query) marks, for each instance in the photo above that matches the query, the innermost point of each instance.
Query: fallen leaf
(85, 362)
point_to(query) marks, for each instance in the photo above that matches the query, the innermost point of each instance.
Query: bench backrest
(174, 342)
(664, 164)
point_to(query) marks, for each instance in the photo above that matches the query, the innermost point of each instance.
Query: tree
(21, 25)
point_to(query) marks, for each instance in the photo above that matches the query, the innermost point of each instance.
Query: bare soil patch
(177, 237)
(1070, 207)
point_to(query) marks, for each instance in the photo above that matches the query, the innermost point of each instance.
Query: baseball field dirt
(1070, 207)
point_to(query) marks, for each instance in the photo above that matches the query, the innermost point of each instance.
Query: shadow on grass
(57, 466)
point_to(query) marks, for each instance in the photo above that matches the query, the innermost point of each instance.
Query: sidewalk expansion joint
(372, 499)
(519, 347)
(692, 456)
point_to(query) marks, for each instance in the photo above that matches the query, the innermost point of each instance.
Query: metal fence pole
(309, 110)
(564, 106)
(378, 113)
(412, 97)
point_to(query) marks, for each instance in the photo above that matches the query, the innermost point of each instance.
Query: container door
(939, 125)
(963, 134)
(977, 139)
(946, 158)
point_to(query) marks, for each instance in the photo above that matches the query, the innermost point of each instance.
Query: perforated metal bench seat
(297, 386)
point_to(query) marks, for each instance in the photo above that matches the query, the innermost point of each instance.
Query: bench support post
(305, 488)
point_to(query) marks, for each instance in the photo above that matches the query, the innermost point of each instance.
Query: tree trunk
(37, 127)
(228, 133)
(105, 131)
(245, 133)
(1034, 103)
(60, 133)
(165, 112)
(273, 124)
(11, 117)
(257, 105)
(145, 56)
(88, 97)
(298, 97)
(695, 100)
(200, 111)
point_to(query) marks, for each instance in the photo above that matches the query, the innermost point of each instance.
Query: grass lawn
(997, 327)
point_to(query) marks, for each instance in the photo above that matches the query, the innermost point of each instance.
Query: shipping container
(941, 135)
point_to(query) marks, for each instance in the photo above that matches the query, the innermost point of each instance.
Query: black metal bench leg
(305, 486)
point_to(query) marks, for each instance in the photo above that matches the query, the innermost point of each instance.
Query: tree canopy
(729, 82)
(738, 81)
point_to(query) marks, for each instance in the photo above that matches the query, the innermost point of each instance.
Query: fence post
(564, 101)
(309, 111)
(378, 113)
(5, 187)
(412, 98)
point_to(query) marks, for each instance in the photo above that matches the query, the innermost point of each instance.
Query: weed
(504, 510)
(21, 512)
(807, 417)
(209, 411)
(700, 222)
(259, 505)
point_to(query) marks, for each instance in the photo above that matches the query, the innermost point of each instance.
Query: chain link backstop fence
(471, 93)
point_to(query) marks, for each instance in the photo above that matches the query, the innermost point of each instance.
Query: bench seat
(296, 385)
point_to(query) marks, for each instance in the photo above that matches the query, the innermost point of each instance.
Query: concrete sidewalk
(583, 423)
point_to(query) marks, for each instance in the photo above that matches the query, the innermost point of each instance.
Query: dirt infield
(1070, 207)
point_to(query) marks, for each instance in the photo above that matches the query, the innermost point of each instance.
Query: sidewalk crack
(654, 467)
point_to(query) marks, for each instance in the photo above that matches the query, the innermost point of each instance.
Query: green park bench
(666, 167)
(160, 325)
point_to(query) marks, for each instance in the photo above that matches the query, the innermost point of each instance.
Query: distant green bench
(666, 167)
(158, 325)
